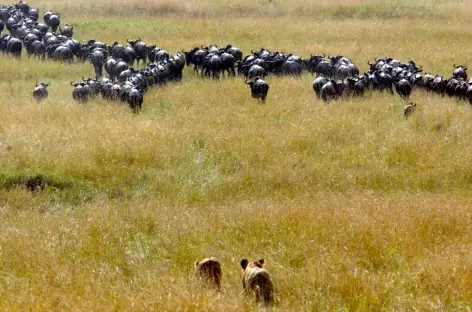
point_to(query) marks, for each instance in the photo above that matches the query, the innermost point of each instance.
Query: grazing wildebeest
(40, 91)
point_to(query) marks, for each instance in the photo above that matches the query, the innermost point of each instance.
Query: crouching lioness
(257, 280)
(209, 271)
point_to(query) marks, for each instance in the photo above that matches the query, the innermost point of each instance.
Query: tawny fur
(209, 271)
(409, 109)
(256, 280)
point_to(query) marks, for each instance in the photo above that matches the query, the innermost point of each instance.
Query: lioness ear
(196, 263)
(262, 261)
(244, 263)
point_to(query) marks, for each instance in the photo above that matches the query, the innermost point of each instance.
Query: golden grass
(353, 207)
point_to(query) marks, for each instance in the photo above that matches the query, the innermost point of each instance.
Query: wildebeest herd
(336, 76)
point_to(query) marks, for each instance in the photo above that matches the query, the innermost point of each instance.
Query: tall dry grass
(353, 207)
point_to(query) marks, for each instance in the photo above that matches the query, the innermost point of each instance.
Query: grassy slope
(353, 207)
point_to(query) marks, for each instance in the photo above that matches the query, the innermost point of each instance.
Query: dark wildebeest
(330, 91)
(212, 66)
(54, 22)
(236, 52)
(67, 31)
(140, 49)
(40, 91)
(259, 88)
(460, 72)
(135, 99)
(80, 93)
(110, 65)
(98, 57)
(196, 56)
(403, 88)
(318, 83)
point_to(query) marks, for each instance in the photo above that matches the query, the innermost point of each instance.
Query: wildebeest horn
(324, 55)
(329, 56)
(245, 81)
(72, 83)
(369, 63)
(455, 65)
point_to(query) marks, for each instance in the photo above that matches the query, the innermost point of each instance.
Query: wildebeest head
(42, 84)
(464, 67)
(335, 59)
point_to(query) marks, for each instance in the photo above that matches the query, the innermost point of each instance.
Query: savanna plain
(352, 207)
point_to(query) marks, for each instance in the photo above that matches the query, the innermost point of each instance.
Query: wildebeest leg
(233, 72)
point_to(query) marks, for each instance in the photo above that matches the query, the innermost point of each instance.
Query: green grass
(353, 207)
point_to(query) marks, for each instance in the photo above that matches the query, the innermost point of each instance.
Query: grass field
(353, 207)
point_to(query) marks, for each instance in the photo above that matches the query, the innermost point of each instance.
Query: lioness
(209, 270)
(257, 280)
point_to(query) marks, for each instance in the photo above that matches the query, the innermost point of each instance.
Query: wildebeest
(259, 88)
(330, 91)
(403, 88)
(135, 99)
(63, 53)
(318, 83)
(212, 65)
(196, 56)
(257, 281)
(409, 109)
(140, 49)
(81, 92)
(460, 72)
(209, 271)
(36, 48)
(98, 57)
(236, 52)
(40, 91)
(227, 63)
(14, 47)
(110, 65)
(66, 31)
(53, 21)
